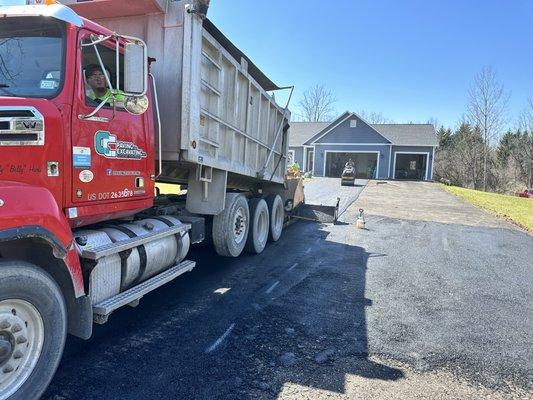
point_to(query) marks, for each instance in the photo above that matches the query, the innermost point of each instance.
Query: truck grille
(21, 126)
(15, 113)
(18, 137)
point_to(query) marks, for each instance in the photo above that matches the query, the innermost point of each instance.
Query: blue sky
(410, 60)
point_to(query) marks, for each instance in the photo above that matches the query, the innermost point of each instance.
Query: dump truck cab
(53, 130)
(67, 160)
(84, 136)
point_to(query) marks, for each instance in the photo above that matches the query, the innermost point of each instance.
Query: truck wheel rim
(21, 343)
(239, 225)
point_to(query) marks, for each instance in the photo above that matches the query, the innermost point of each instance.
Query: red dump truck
(98, 101)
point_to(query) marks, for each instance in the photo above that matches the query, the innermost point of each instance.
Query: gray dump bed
(215, 109)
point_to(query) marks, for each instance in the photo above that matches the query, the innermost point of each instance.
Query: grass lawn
(168, 188)
(516, 209)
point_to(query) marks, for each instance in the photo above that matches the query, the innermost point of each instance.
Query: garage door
(365, 164)
(410, 166)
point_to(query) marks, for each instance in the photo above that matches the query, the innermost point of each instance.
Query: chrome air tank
(148, 259)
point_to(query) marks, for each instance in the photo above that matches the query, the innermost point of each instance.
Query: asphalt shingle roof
(408, 134)
(397, 134)
(299, 132)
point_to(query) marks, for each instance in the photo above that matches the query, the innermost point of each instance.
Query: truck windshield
(31, 56)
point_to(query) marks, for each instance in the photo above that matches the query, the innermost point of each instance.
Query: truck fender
(34, 229)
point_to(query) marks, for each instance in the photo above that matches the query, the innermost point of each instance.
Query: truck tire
(276, 211)
(33, 328)
(259, 226)
(230, 227)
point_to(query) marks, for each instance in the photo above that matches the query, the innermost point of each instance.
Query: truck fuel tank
(115, 273)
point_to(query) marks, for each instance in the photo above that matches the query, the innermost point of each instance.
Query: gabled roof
(408, 134)
(398, 134)
(299, 132)
(333, 124)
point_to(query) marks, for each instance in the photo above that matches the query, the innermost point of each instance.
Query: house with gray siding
(380, 151)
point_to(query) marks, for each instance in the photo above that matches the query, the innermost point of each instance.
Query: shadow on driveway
(286, 315)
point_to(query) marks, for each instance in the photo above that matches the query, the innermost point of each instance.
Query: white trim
(413, 145)
(293, 155)
(377, 152)
(351, 114)
(312, 151)
(354, 144)
(373, 144)
(410, 152)
(304, 160)
(390, 161)
(432, 162)
(333, 127)
(314, 159)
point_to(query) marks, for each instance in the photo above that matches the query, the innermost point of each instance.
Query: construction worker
(349, 163)
(99, 91)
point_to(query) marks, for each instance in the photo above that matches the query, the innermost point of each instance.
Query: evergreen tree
(444, 136)
(504, 149)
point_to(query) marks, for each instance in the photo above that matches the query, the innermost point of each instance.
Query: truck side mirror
(135, 69)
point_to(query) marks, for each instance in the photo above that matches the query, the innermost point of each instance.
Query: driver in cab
(99, 91)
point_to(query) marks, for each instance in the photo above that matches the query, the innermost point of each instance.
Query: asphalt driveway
(326, 191)
(415, 306)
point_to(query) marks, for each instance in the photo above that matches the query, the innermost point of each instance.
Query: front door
(111, 158)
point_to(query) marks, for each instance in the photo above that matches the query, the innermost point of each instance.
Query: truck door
(112, 156)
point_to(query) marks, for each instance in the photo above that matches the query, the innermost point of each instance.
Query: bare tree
(434, 121)
(374, 117)
(525, 118)
(487, 110)
(316, 104)
(461, 161)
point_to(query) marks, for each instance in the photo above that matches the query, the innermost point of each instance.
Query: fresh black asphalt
(312, 308)
(326, 191)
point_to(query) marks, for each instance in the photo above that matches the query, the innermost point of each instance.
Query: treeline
(480, 153)
(460, 159)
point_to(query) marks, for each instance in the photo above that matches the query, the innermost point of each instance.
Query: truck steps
(102, 310)
(113, 248)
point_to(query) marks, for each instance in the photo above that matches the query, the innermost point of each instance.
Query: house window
(290, 157)
(310, 160)
(353, 123)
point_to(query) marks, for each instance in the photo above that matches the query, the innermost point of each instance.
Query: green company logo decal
(108, 146)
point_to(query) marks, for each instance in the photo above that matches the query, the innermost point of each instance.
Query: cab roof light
(44, 2)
